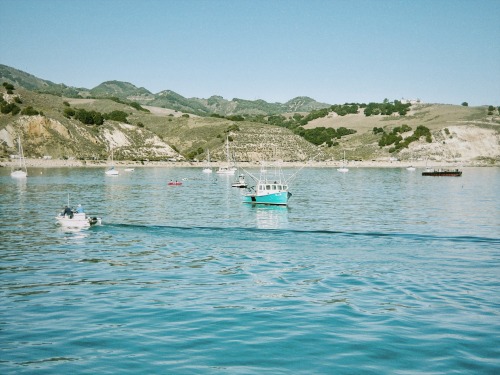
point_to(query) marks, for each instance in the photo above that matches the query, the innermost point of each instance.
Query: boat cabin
(272, 187)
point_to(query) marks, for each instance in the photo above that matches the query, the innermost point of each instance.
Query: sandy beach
(59, 163)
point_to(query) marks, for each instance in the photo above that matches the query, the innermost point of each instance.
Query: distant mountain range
(165, 99)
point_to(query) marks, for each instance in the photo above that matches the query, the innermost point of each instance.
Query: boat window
(268, 187)
(279, 187)
(285, 187)
(274, 187)
(261, 187)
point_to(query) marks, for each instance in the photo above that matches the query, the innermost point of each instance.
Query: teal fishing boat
(271, 188)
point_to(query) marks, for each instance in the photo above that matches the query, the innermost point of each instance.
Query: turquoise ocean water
(376, 271)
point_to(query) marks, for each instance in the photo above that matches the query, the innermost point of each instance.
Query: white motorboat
(77, 220)
(112, 172)
(240, 182)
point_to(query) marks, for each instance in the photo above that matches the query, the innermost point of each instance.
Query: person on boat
(68, 211)
(79, 209)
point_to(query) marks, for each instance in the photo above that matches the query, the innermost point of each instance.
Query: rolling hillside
(154, 132)
(164, 99)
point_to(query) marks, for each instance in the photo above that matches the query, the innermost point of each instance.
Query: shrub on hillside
(236, 118)
(119, 116)
(321, 135)
(29, 111)
(89, 117)
(11, 108)
(394, 137)
(68, 112)
(387, 108)
(9, 87)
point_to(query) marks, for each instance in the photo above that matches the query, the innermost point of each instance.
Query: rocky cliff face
(43, 136)
(462, 143)
(459, 134)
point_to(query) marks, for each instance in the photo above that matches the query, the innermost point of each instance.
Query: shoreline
(59, 163)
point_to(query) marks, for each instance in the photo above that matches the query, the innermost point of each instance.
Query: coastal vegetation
(395, 137)
(95, 117)
(82, 127)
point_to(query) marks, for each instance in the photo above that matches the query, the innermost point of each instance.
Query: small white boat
(21, 171)
(77, 220)
(343, 168)
(18, 173)
(226, 170)
(112, 172)
(240, 182)
(129, 169)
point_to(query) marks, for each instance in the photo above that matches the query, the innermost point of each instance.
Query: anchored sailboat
(208, 168)
(21, 171)
(343, 168)
(112, 171)
(229, 169)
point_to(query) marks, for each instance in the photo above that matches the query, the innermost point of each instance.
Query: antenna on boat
(293, 176)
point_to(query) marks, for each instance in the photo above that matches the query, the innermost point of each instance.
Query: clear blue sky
(441, 51)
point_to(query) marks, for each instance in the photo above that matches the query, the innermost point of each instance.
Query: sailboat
(112, 171)
(21, 171)
(208, 168)
(343, 168)
(410, 168)
(229, 169)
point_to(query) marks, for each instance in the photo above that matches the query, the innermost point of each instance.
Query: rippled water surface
(375, 271)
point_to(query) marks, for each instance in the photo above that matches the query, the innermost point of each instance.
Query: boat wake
(232, 231)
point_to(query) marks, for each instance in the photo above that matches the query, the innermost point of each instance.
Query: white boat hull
(228, 171)
(19, 174)
(112, 172)
(21, 171)
(79, 220)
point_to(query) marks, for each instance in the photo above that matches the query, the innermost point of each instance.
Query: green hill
(173, 127)
(126, 91)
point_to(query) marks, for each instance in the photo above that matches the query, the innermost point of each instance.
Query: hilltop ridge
(164, 99)
(136, 124)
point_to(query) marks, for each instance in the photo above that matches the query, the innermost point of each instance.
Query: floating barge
(442, 172)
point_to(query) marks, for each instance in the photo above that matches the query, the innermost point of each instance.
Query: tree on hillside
(119, 116)
(9, 87)
(465, 104)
